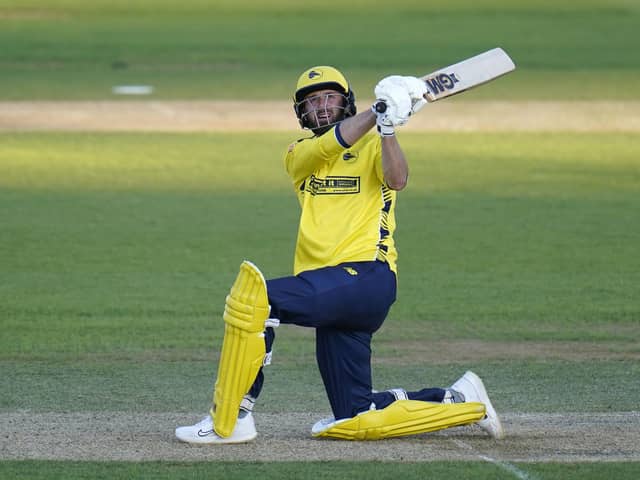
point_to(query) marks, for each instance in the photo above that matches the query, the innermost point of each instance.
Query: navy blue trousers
(345, 304)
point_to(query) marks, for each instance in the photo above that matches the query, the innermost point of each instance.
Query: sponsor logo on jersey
(333, 185)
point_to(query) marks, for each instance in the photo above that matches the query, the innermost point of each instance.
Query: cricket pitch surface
(535, 437)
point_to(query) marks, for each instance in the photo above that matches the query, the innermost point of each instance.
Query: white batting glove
(417, 89)
(393, 94)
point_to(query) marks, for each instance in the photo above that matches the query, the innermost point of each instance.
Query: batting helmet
(322, 78)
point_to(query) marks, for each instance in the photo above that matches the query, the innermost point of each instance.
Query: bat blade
(467, 74)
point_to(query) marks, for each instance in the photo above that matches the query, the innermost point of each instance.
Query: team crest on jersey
(349, 156)
(333, 185)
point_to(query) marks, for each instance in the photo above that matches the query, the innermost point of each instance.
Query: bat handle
(381, 107)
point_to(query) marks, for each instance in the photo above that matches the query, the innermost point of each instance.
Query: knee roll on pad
(401, 418)
(243, 347)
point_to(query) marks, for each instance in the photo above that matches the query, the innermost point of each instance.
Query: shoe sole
(215, 440)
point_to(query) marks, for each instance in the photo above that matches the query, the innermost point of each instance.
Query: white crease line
(520, 474)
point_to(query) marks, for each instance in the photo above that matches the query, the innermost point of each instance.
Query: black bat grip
(381, 107)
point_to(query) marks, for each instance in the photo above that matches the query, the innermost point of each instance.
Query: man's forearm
(353, 128)
(394, 164)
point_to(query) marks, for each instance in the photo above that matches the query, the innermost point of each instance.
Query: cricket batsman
(346, 176)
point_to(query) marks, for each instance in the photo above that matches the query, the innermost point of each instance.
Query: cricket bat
(464, 75)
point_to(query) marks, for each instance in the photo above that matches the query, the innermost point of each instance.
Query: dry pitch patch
(124, 436)
(176, 116)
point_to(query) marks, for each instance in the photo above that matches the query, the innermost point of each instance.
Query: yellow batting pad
(243, 348)
(404, 417)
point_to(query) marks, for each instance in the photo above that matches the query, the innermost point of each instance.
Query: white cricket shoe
(471, 386)
(203, 433)
(325, 424)
(322, 425)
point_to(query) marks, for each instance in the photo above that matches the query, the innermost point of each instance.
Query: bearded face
(322, 109)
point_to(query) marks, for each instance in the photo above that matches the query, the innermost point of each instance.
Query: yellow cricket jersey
(347, 208)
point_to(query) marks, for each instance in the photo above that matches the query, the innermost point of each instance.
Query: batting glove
(383, 124)
(392, 93)
(417, 89)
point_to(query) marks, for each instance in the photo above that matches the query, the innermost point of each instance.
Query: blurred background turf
(67, 49)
